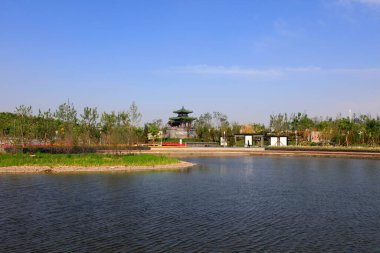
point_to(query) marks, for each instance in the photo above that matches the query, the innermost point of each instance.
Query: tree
(279, 123)
(373, 130)
(301, 122)
(108, 124)
(230, 137)
(203, 126)
(67, 117)
(89, 124)
(134, 120)
(154, 128)
(24, 114)
(326, 129)
(221, 121)
(345, 126)
(45, 126)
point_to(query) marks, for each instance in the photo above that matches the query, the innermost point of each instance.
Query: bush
(68, 149)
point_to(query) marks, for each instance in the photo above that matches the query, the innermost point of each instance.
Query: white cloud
(365, 2)
(237, 71)
(226, 71)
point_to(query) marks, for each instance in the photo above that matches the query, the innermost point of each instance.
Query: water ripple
(226, 205)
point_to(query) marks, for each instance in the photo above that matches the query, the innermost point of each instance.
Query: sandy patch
(61, 169)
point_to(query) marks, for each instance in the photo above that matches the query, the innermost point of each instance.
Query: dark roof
(252, 134)
(182, 118)
(183, 110)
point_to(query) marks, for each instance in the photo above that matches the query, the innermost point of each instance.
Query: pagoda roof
(182, 118)
(183, 110)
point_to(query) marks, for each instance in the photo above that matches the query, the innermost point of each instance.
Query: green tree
(24, 122)
(154, 128)
(230, 137)
(345, 126)
(279, 123)
(372, 127)
(134, 122)
(108, 124)
(46, 127)
(203, 126)
(67, 118)
(89, 125)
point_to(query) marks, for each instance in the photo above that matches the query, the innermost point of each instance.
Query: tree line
(65, 126)
(360, 130)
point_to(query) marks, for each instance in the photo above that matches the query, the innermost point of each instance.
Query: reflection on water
(224, 204)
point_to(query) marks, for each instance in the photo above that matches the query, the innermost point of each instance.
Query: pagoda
(182, 119)
(181, 125)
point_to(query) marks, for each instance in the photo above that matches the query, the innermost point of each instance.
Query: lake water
(225, 204)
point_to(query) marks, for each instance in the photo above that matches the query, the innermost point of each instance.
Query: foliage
(279, 123)
(68, 149)
(63, 127)
(154, 128)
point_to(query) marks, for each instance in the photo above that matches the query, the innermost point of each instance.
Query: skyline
(244, 59)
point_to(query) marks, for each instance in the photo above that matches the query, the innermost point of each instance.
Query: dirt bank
(66, 169)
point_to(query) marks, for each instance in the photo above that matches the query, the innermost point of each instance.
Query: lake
(275, 204)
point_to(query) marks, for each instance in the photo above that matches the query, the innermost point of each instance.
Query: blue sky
(246, 59)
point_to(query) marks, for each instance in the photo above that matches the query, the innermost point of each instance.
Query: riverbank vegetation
(83, 160)
(66, 127)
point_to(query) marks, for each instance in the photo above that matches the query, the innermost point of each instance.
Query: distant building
(181, 126)
(279, 141)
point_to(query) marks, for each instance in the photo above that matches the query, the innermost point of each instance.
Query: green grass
(85, 160)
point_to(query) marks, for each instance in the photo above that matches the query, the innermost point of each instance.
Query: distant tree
(108, 122)
(345, 126)
(279, 123)
(8, 132)
(236, 127)
(46, 126)
(221, 121)
(89, 125)
(154, 128)
(67, 117)
(120, 135)
(258, 128)
(325, 128)
(134, 121)
(372, 127)
(66, 113)
(301, 122)
(203, 126)
(230, 137)
(23, 121)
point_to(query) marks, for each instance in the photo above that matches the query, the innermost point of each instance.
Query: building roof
(183, 110)
(182, 118)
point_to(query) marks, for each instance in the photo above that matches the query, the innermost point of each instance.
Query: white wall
(248, 140)
(283, 141)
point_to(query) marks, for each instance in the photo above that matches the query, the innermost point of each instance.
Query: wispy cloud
(237, 71)
(375, 3)
(226, 71)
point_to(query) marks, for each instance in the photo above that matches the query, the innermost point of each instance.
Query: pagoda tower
(182, 119)
(181, 125)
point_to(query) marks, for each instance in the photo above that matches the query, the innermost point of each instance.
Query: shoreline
(220, 152)
(183, 153)
(79, 169)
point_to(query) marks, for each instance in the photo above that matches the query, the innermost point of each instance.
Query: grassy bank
(83, 160)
